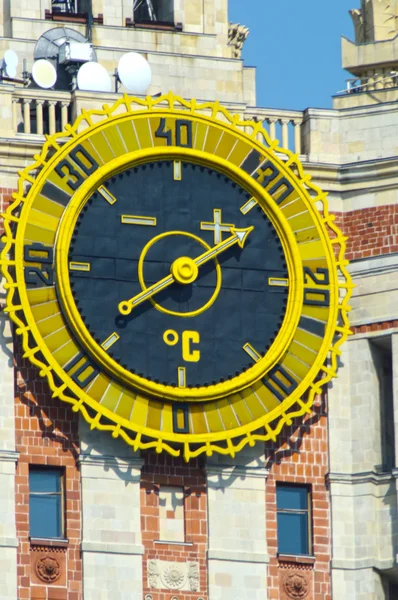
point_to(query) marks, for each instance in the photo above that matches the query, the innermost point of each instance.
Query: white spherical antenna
(11, 58)
(44, 73)
(93, 77)
(10, 62)
(134, 72)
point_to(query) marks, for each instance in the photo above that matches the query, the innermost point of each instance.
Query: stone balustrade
(283, 125)
(37, 111)
(40, 111)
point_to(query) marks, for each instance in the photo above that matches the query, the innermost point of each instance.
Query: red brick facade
(5, 200)
(46, 434)
(370, 231)
(161, 469)
(301, 457)
(375, 327)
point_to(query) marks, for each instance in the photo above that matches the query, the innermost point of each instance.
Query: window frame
(296, 511)
(61, 494)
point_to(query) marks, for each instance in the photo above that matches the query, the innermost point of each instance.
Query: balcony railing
(35, 114)
(282, 125)
(371, 83)
(32, 113)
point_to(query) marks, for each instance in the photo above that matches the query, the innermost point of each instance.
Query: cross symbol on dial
(218, 226)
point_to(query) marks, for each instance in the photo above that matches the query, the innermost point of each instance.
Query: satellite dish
(10, 62)
(11, 71)
(93, 77)
(48, 46)
(11, 58)
(134, 72)
(44, 73)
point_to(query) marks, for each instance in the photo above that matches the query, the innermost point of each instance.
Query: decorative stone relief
(375, 20)
(296, 586)
(173, 576)
(193, 576)
(237, 35)
(48, 565)
(48, 569)
(153, 573)
(182, 576)
(296, 581)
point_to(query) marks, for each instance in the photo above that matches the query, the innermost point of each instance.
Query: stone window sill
(174, 543)
(52, 543)
(162, 26)
(296, 559)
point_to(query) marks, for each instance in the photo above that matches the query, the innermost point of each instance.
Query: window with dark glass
(65, 6)
(161, 11)
(71, 6)
(294, 519)
(46, 511)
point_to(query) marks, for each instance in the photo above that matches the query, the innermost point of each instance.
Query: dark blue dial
(142, 221)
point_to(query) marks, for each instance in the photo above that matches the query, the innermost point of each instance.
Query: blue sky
(295, 45)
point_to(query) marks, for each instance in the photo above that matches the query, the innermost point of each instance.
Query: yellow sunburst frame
(218, 135)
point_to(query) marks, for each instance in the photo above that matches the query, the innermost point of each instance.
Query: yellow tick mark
(182, 377)
(278, 282)
(177, 171)
(79, 266)
(110, 341)
(252, 352)
(107, 195)
(138, 220)
(248, 206)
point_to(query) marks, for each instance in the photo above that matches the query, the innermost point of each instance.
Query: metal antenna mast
(148, 3)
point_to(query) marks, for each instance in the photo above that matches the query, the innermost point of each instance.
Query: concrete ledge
(105, 548)
(362, 563)
(9, 456)
(242, 557)
(358, 478)
(8, 542)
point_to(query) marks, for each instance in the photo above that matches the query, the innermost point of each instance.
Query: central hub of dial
(184, 270)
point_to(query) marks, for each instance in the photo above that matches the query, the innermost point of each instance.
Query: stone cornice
(107, 548)
(376, 265)
(360, 478)
(362, 563)
(9, 456)
(236, 556)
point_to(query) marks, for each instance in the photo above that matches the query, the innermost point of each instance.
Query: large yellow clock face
(174, 278)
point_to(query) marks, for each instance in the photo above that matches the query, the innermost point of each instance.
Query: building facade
(311, 515)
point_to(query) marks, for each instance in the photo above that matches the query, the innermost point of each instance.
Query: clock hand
(238, 236)
(185, 270)
(127, 306)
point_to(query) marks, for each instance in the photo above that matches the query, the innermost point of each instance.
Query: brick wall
(46, 434)
(375, 327)
(301, 457)
(5, 200)
(158, 470)
(371, 231)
